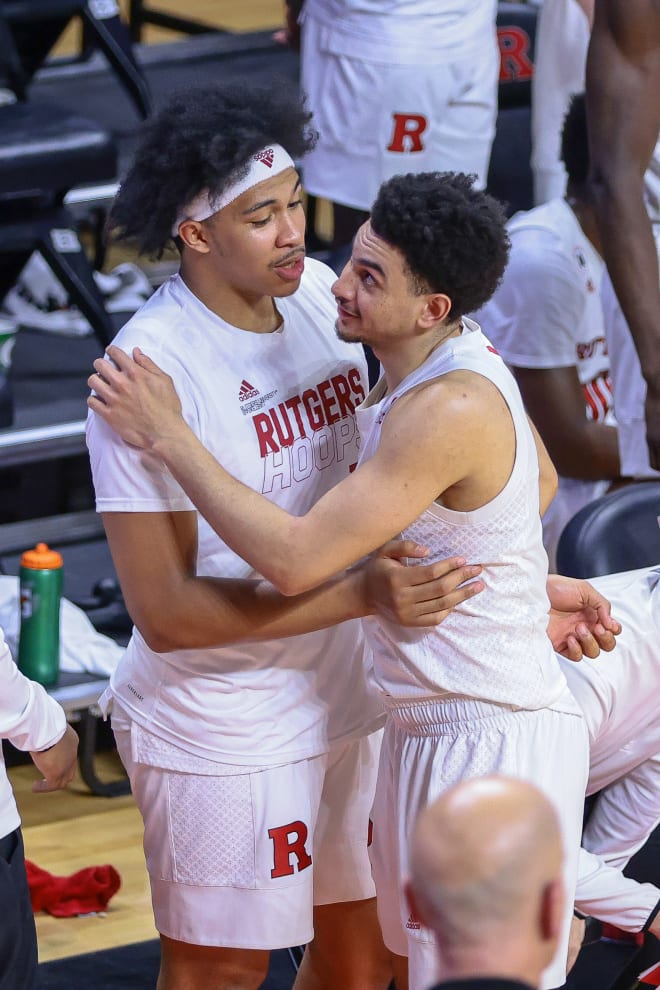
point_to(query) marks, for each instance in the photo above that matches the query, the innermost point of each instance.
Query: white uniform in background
(476, 695)
(547, 313)
(618, 693)
(560, 53)
(397, 86)
(246, 729)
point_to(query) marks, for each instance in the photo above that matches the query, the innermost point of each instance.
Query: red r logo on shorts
(515, 63)
(407, 133)
(289, 840)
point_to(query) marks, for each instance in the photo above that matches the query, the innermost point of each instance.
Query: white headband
(268, 162)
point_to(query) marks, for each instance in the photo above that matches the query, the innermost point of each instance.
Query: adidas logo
(413, 924)
(247, 391)
(267, 156)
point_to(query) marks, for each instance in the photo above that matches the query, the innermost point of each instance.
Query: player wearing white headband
(251, 758)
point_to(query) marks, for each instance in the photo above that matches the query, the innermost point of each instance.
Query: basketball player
(395, 87)
(252, 758)
(546, 320)
(449, 458)
(623, 97)
(618, 696)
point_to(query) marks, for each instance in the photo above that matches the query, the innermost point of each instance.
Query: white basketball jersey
(277, 410)
(495, 646)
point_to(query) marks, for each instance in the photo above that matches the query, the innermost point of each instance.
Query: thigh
(342, 871)
(18, 939)
(229, 858)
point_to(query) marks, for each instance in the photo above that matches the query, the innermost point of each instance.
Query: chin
(343, 334)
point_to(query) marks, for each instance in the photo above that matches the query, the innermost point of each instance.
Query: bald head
(485, 866)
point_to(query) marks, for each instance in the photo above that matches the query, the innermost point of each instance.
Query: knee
(200, 967)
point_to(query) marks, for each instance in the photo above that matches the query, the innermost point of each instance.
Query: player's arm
(623, 87)
(175, 608)
(578, 447)
(419, 457)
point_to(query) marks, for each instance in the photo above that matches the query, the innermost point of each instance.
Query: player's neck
(400, 358)
(246, 312)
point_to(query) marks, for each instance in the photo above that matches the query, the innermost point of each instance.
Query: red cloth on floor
(83, 892)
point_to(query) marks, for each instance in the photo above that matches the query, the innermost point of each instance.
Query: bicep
(154, 556)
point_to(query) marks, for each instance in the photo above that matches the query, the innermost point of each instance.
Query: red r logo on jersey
(289, 840)
(407, 133)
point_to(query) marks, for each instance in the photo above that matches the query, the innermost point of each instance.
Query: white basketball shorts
(377, 120)
(426, 748)
(240, 861)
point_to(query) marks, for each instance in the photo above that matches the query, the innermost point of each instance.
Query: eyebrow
(268, 202)
(367, 263)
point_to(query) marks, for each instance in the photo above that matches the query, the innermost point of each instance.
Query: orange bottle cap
(42, 558)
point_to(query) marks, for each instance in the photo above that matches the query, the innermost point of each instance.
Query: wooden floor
(72, 829)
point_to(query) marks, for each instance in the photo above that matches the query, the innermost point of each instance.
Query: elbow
(289, 584)
(160, 639)
(167, 631)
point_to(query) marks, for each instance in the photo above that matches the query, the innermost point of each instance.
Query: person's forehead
(278, 187)
(368, 248)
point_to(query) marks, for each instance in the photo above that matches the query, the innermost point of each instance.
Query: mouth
(344, 314)
(290, 269)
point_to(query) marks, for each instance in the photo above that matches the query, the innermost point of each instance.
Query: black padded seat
(45, 151)
(48, 149)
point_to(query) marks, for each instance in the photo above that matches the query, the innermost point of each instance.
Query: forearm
(589, 453)
(277, 544)
(630, 254)
(212, 612)
(605, 893)
(29, 718)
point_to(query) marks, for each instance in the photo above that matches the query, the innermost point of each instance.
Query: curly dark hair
(451, 235)
(202, 138)
(575, 143)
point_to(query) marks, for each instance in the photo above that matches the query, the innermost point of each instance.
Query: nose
(342, 288)
(291, 230)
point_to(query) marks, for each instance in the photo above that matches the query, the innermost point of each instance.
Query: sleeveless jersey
(277, 410)
(493, 647)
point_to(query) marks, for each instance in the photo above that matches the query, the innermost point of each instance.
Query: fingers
(437, 581)
(398, 549)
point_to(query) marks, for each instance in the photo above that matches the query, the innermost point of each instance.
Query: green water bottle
(40, 580)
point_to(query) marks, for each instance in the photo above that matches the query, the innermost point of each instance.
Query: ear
(437, 308)
(193, 235)
(552, 909)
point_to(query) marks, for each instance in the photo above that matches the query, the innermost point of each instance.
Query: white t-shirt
(278, 411)
(30, 719)
(493, 647)
(547, 313)
(406, 32)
